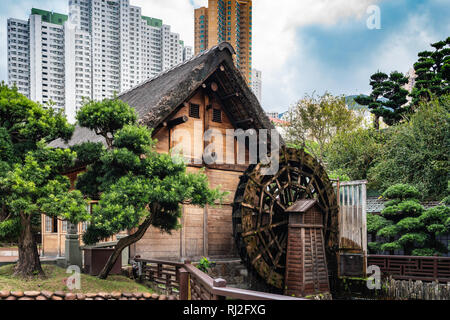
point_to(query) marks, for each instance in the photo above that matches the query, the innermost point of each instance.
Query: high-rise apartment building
(257, 83)
(227, 20)
(100, 48)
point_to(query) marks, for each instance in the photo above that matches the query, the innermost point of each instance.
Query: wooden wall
(206, 231)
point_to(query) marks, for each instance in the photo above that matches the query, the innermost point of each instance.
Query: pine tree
(136, 186)
(388, 98)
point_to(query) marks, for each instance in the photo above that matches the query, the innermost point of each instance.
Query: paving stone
(57, 298)
(155, 296)
(4, 294)
(11, 298)
(41, 298)
(32, 294)
(99, 298)
(61, 294)
(127, 294)
(47, 294)
(104, 295)
(162, 297)
(116, 294)
(81, 296)
(172, 298)
(91, 295)
(17, 294)
(137, 295)
(70, 296)
(147, 295)
(26, 298)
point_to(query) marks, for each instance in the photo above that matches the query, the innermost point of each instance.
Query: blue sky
(303, 46)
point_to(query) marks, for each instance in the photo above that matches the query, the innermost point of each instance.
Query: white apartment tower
(19, 55)
(257, 83)
(101, 48)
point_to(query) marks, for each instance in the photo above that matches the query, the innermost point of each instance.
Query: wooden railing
(193, 284)
(162, 274)
(414, 268)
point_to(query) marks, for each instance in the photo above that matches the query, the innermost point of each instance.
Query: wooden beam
(245, 121)
(175, 122)
(231, 96)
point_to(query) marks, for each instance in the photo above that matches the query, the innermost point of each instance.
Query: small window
(51, 224)
(194, 111)
(217, 115)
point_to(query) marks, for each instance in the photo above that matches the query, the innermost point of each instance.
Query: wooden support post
(184, 284)
(219, 283)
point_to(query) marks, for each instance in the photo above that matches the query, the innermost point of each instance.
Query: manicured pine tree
(433, 72)
(388, 98)
(412, 228)
(136, 186)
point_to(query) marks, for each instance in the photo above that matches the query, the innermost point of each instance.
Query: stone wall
(59, 295)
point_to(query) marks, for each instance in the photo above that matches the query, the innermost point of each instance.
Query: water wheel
(260, 223)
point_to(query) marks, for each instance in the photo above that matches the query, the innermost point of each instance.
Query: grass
(56, 281)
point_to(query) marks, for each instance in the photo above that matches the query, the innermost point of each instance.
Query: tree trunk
(122, 244)
(376, 123)
(29, 264)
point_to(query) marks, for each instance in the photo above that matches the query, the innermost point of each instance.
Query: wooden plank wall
(208, 231)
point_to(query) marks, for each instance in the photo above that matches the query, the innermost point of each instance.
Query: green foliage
(106, 117)
(388, 97)
(435, 219)
(410, 224)
(411, 228)
(417, 152)
(391, 246)
(376, 222)
(433, 72)
(401, 191)
(388, 231)
(318, 119)
(425, 252)
(135, 185)
(354, 152)
(338, 175)
(204, 264)
(88, 152)
(30, 175)
(36, 186)
(374, 247)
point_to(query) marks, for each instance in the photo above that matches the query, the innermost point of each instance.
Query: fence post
(184, 284)
(219, 283)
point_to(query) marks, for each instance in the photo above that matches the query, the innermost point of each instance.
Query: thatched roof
(157, 98)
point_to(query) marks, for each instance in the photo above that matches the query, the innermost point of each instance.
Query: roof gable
(157, 98)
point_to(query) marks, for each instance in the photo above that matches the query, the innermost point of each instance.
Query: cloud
(275, 42)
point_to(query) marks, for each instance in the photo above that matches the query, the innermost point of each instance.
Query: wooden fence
(413, 268)
(193, 284)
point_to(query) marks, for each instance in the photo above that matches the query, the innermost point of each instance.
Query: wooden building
(206, 92)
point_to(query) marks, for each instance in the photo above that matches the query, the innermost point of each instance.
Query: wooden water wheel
(260, 223)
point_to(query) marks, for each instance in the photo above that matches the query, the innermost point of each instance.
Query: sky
(303, 46)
